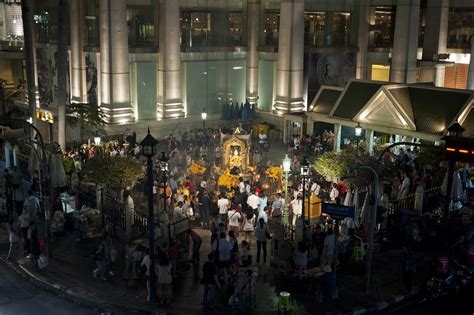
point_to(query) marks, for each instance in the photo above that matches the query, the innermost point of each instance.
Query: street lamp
(286, 170)
(304, 175)
(203, 117)
(358, 130)
(148, 145)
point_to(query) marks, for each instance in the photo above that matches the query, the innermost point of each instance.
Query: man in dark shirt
(209, 281)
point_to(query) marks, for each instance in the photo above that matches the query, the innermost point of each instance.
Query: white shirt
(234, 217)
(315, 188)
(297, 207)
(242, 187)
(334, 194)
(223, 205)
(253, 201)
(146, 262)
(262, 138)
(249, 224)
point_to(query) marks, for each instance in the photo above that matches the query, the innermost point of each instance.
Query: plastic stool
(357, 254)
(249, 301)
(284, 302)
(300, 272)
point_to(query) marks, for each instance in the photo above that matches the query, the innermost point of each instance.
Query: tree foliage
(90, 117)
(113, 172)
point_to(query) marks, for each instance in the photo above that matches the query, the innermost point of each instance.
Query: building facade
(146, 61)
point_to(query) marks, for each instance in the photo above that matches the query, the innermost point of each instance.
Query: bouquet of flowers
(196, 169)
(274, 172)
(228, 180)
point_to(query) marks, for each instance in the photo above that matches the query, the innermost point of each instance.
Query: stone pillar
(405, 44)
(78, 61)
(363, 39)
(439, 75)
(169, 99)
(369, 140)
(470, 78)
(337, 138)
(114, 66)
(253, 14)
(436, 36)
(289, 90)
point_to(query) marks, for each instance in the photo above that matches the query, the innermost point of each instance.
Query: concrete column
(169, 99)
(289, 91)
(253, 14)
(436, 36)
(470, 78)
(337, 138)
(363, 39)
(114, 65)
(369, 140)
(439, 75)
(405, 44)
(6, 154)
(78, 61)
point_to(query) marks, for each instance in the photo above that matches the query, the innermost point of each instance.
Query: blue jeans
(204, 214)
(209, 295)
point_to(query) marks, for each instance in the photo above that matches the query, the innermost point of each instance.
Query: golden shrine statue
(235, 149)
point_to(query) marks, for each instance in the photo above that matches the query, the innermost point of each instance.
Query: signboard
(338, 211)
(45, 115)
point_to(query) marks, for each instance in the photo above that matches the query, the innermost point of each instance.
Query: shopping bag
(42, 262)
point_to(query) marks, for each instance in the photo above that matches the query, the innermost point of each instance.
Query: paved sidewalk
(70, 272)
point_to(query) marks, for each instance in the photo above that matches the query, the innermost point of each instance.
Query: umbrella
(58, 176)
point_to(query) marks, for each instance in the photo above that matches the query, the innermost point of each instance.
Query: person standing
(130, 271)
(204, 207)
(277, 207)
(12, 237)
(222, 248)
(249, 225)
(234, 221)
(262, 234)
(210, 282)
(165, 280)
(24, 220)
(35, 248)
(334, 193)
(296, 208)
(253, 202)
(197, 242)
(223, 205)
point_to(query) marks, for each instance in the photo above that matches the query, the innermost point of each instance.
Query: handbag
(42, 262)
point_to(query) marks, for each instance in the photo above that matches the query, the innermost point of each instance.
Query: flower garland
(196, 169)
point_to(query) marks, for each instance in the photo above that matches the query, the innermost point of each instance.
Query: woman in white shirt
(297, 208)
(249, 225)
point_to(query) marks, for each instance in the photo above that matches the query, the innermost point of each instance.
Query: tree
(90, 117)
(113, 172)
(62, 65)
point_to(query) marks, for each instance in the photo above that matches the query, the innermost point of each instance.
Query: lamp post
(286, 170)
(304, 175)
(148, 145)
(164, 178)
(203, 117)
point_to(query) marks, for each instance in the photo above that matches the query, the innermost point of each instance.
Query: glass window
(382, 26)
(341, 27)
(141, 25)
(211, 28)
(91, 34)
(271, 28)
(314, 28)
(46, 19)
(460, 27)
